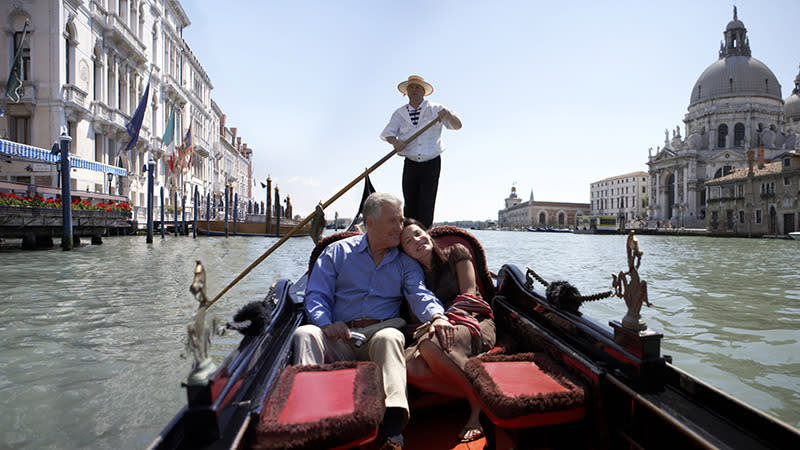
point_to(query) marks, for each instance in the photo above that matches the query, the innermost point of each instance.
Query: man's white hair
(373, 205)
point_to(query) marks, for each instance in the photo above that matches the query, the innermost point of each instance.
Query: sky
(552, 95)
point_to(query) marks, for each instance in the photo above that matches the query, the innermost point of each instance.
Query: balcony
(75, 102)
(117, 31)
(111, 117)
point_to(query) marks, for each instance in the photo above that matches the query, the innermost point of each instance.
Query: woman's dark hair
(439, 257)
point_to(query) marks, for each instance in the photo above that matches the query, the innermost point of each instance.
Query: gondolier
(423, 161)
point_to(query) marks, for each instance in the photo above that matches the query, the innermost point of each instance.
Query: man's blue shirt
(346, 285)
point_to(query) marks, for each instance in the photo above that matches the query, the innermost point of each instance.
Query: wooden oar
(311, 216)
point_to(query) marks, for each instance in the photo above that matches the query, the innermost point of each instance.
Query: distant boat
(254, 225)
(549, 230)
(795, 235)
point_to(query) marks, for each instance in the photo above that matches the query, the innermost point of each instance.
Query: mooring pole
(175, 211)
(208, 213)
(151, 167)
(66, 194)
(277, 212)
(163, 225)
(196, 203)
(235, 210)
(184, 231)
(226, 210)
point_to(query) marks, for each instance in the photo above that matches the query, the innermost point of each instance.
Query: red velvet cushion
(338, 405)
(320, 389)
(525, 390)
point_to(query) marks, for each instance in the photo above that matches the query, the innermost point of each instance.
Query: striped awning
(39, 154)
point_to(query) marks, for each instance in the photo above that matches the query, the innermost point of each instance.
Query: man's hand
(396, 143)
(445, 330)
(337, 330)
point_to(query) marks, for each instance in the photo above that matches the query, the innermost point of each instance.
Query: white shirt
(428, 145)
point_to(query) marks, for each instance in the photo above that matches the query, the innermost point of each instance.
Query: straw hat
(418, 80)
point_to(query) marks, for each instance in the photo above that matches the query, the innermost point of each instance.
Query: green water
(91, 340)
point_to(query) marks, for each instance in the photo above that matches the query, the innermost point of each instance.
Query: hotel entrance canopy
(39, 154)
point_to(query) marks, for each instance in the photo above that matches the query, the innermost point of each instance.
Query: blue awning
(39, 154)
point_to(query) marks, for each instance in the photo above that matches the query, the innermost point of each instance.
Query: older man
(358, 284)
(423, 162)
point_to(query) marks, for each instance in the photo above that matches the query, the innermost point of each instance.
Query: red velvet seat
(338, 405)
(526, 390)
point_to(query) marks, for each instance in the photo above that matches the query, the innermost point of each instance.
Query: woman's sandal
(469, 434)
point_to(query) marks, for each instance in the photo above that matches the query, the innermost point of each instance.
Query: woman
(437, 366)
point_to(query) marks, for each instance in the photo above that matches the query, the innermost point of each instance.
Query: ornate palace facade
(85, 66)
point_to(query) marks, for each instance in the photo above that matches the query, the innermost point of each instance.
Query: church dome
(734, 25)
(792, 107)
(736, 73)
(792, 104)
(736, 76)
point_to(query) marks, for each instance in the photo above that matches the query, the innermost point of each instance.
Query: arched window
(561, 219)
(542, 218)
(97, 74)
(722, 136)
(25, 66)
(738, 135)
(67, 57)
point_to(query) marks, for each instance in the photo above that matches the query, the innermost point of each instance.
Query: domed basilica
(735, 108)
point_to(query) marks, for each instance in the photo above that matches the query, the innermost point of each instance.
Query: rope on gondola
(562, 294)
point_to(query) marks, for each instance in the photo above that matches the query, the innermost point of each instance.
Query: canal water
(91, 340)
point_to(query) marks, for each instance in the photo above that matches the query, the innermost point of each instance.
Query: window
(758, 216)
(20, 129)
(67, 58)
(25, 68)
(738, 135)
(741, 216)
(787, 181)
(98, 147)
(722, 135)
(787, 162)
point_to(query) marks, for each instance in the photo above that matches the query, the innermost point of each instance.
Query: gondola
(556, 379)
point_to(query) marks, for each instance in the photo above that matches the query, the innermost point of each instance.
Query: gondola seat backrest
(447, 235)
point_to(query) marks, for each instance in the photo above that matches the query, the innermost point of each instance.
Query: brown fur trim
(511, 407)
(465, 237)
(329, 432)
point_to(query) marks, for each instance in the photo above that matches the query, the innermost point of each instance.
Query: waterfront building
(85, 68)
(735, 106)
(519, 214)
(622, 196)
(758, 200)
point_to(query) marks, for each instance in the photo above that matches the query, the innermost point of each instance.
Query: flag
(187, 149)
(169, 140)
(14, 88)
(135, 124)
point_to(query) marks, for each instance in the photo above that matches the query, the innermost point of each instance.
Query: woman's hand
(445, 331)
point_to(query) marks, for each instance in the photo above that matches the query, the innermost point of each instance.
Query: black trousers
(420, 184)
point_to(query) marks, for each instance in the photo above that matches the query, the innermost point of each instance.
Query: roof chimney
(760, 157)
(750, 156)
(239, 144)
(222, 125)
(233, 139)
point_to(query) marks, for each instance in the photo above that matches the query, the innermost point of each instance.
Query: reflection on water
(91, 340)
